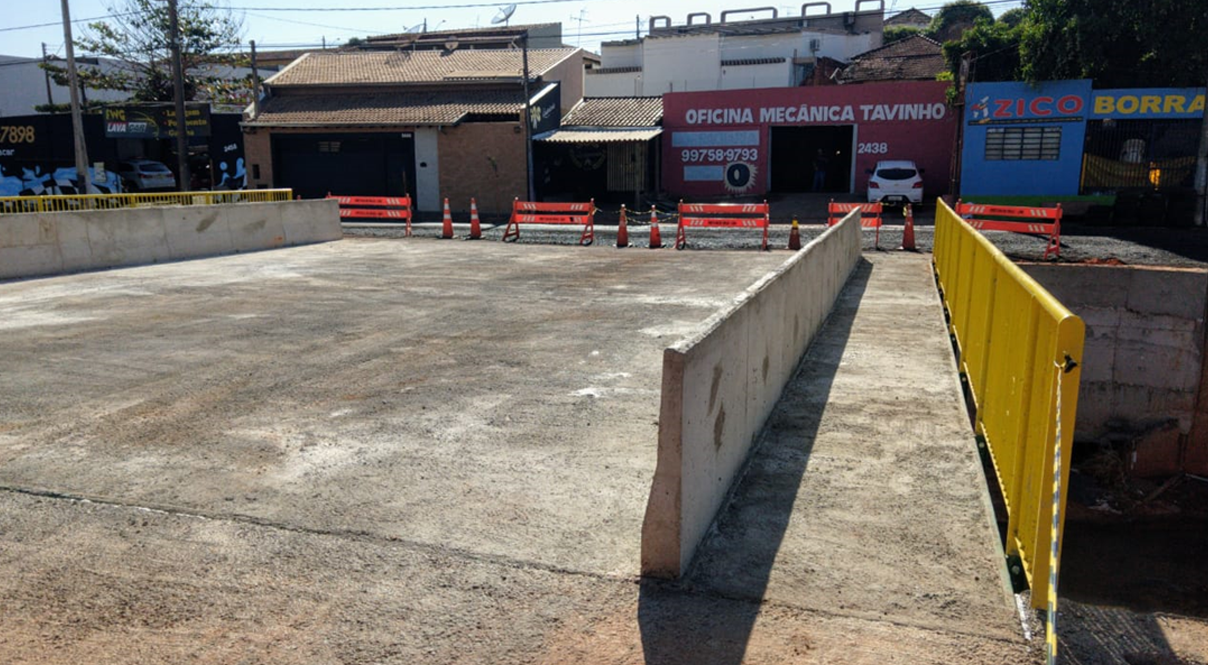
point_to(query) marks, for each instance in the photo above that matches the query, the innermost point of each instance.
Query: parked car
(141, 175)
(896, 181)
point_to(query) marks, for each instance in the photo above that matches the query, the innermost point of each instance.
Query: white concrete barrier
(42, 244)
(720, 385)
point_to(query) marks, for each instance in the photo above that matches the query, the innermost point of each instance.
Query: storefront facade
(1063, 139)
(744, 142)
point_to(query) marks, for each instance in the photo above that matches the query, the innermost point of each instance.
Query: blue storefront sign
(1022, 139)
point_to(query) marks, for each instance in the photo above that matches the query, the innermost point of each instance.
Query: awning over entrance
(599, 135)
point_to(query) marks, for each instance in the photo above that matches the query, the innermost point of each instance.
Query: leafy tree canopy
(137, 37)
(956, 17)
(895, 33)
(1118, 43)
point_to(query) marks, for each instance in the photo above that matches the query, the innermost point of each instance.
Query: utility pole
(50, 99)
(637, 27)
(528, 121)
(255, 84)
(178, 85)
(1201, 171)
(77, 118)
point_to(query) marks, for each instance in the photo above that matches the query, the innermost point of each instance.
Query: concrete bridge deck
(381, 452)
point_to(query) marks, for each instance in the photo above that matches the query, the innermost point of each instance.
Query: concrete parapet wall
(720, 385)
(42, 244)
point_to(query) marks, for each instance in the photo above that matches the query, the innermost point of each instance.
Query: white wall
(693, 62)
(23, 86)
(681, 64)
(427, 178)
(777, 75)
(628, 84)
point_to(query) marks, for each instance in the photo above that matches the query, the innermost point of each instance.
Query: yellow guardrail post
(1009, 334)
(63, 203)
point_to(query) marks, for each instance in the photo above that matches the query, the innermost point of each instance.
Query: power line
(59, 23)
(396, 9)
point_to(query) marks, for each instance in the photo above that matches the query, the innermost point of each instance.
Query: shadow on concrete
(679, 621)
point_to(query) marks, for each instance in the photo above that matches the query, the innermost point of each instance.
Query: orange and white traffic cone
(656, 238)
(795, 236)
(908, 232)
(475, 225)
(623, 230)
(446, 229)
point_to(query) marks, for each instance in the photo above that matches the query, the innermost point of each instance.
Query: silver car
(142, 175)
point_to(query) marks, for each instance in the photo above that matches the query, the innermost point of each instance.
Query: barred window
(1023, 143)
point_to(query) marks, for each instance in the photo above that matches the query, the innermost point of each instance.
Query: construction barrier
(1019, 352)
(656, 236)
(375, 207)
(722, 215)
(1019, 219)
(77, 202)
(908, 230)
(870, 216)
(532, 212)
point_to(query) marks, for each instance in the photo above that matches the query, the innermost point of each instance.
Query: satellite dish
(418, 27)
(451, 45)
(505, 12)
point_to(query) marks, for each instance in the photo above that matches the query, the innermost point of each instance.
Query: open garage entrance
(793, 153)
(348, 164)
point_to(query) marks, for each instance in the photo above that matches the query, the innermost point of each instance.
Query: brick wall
(485, 161)
(258, 155)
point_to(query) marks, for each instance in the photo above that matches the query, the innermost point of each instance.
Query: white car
(141, 175)
(896, 181)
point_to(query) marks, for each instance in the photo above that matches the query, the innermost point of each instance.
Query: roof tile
(913, 58)
(616, 112)
(410, 67)
(380, 109)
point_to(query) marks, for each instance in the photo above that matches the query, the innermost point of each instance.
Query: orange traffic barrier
(532, 212)
(908, 232)
(795, 236)
(1041, 221)
(446, 228)
(656, 238)
(623, 230)
(375, 207)
(475, 225)
(870, 216)
(722, 215)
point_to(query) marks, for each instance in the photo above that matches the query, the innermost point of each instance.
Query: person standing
(820, 164)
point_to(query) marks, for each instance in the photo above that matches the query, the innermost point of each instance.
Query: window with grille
(1023, 143)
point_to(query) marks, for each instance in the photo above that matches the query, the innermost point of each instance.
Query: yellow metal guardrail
(1019, 350)
(72, 202)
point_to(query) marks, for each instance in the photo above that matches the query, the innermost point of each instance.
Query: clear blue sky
(299, 24)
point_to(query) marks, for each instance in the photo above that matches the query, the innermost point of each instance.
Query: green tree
(956, 17)
(993, 47)
(136, 36)
(1013, 17)
(895, 33)
(1118, 43)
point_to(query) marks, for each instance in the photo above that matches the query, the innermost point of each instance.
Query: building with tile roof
(432, 123)
(915, 58)
(608, 148)
(912, 17)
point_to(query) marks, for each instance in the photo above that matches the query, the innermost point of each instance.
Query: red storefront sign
(718, 143)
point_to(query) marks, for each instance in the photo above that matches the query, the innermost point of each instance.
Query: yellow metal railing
(1019, 350)
(72, 202)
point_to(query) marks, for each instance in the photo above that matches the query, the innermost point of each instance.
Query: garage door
(347, 164)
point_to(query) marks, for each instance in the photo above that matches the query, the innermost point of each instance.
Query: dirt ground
(374, 451)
